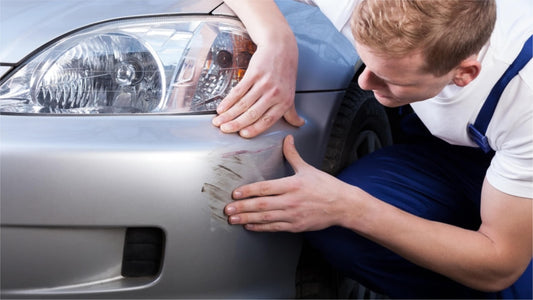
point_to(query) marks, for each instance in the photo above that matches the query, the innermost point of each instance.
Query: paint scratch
(231, 169)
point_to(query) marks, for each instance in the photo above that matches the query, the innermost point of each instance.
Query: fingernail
(245, 133)
(216, 122)
(234, 219)
(236, 195)
(221, 108)
(225, 127)
(230, 210)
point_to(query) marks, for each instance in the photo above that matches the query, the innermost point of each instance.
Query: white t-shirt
(339, 13)
(510, 132)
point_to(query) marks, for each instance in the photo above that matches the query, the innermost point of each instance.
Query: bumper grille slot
(143, 252)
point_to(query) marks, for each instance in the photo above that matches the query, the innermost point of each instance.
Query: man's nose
(369, 81)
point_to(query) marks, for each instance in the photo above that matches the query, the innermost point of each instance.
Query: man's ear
(467, 71)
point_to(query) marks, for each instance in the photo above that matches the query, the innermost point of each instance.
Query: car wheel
(360, 127)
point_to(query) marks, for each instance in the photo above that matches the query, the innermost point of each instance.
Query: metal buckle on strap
(479, 138)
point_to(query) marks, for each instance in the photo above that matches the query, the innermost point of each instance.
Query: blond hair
(446, 31)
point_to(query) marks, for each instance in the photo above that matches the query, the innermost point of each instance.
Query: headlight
(155, 65)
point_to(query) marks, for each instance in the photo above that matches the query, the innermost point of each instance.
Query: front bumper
(72, 185)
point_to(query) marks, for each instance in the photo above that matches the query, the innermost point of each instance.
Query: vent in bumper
(143, 252)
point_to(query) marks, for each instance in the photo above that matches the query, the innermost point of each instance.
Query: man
(436, 217)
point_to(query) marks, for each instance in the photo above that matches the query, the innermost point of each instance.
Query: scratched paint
(233, 168)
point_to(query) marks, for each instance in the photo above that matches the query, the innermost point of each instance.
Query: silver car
(113, 179)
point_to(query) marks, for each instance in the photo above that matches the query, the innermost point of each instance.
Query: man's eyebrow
(392, 82)
(386, 80)
(399, 83)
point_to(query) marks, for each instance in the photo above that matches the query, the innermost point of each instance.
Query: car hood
(25, 25)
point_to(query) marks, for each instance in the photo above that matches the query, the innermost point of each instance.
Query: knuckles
(266, 217)
(252, 114)
(264, 188)
(262, 205)
(267, 119)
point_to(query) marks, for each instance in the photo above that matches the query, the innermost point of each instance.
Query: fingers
(271, 227)
(269, 118)
(234, 95)
(276, 186)
(292, 155)
(260, 124)
(257, 102)
(247, 117)
(270, 217)
(263, 188)
(260, 196)
(254, 120)
(256, 112)
(228, 108)
(273, 205)
(260, 192)
(255, 210)
(292, 117)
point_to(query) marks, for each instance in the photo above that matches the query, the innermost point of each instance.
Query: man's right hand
(266, 92)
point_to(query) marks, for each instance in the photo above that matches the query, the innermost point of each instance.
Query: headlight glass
(156, 65)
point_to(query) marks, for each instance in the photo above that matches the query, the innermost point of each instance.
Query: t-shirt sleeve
(512, 171)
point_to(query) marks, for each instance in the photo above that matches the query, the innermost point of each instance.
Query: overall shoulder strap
(477, 130)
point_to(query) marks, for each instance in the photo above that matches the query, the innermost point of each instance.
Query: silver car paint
(4, 70)
(29, 24)
(71, 185)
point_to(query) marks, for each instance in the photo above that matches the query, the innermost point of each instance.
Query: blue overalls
(444, 185)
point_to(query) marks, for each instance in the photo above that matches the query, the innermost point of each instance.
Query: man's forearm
(470, 257)
(262, 18)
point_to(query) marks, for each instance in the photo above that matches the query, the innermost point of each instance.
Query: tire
(360, 127)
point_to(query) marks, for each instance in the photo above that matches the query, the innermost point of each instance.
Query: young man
(438, 216)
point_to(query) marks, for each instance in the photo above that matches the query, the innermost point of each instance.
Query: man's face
(399, 81)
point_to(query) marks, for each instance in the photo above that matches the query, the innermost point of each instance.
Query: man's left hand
(308, 200)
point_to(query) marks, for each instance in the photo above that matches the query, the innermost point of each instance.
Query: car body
(129, 205)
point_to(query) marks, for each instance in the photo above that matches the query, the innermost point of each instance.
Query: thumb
(292, 117)
(292, 155)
